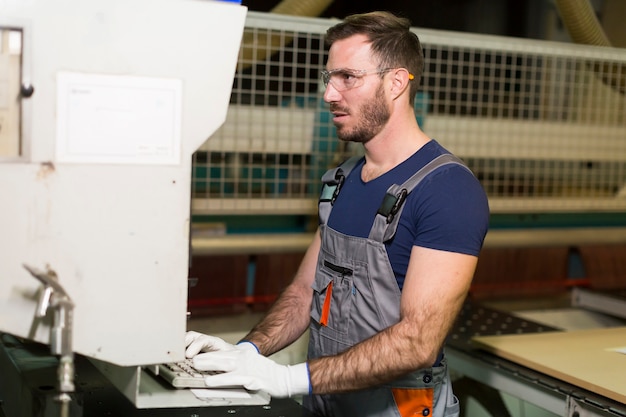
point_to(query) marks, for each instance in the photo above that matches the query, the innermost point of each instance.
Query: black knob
(27, 90)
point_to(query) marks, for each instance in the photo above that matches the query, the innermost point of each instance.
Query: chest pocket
(333, 292)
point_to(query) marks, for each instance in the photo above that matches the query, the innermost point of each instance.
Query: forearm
(285, 322)
(290, 315)
(384, 357)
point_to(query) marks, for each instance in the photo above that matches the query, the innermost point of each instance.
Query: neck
(392, 146)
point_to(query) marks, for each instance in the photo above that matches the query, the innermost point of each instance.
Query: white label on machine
(118, 119)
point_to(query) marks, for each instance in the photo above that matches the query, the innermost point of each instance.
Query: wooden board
(594, 360)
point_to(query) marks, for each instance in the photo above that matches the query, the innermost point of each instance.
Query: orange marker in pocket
(326, 306)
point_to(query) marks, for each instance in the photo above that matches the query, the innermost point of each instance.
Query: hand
(242, 365)
(198, 342)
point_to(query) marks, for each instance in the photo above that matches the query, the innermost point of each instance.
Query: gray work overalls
(356, 295)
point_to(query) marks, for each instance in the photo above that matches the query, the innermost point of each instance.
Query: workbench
(528, 383)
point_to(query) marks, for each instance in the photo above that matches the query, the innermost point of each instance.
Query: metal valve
(54, 297)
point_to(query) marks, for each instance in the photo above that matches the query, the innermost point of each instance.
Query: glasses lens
(325, 78)
(341, 79)
(347, 79)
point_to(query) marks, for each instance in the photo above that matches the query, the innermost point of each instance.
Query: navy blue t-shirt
(447, 211)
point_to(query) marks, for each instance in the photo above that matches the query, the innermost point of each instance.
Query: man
(378, 302)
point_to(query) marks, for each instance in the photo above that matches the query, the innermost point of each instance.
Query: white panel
(117, 235)
(118, 119)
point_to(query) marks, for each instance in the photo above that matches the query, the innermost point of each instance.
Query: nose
(331, 94)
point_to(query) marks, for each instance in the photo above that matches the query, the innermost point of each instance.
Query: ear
(401, 79)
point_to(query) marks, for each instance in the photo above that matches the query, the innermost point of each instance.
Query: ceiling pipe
(581, 22)
(583, 26)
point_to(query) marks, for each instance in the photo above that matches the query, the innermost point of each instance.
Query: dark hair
(392, 42)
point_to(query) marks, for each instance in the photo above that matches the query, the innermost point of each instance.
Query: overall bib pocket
(332, 298)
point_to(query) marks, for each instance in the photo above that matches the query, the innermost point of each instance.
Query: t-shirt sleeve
(452, 213)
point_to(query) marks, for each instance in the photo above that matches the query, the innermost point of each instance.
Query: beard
(374, 114)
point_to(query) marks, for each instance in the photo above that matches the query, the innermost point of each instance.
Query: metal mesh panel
(541, 124)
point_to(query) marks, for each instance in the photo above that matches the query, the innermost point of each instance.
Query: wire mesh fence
(541, 124)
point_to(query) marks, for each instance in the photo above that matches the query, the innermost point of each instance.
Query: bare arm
(288, 317)
(435, 287)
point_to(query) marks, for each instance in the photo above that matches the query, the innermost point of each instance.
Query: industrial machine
(102, 104)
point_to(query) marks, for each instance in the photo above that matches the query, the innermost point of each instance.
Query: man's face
(355, 91)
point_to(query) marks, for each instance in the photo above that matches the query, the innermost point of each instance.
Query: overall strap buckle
(391, 204)
(388, 215)
(332, 181)
(330, 190)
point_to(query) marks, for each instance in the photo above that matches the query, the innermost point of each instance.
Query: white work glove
(198, 342)
(242, 365)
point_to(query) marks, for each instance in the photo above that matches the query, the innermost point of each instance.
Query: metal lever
(54, 296)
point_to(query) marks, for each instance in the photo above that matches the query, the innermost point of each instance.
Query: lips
(338, 112)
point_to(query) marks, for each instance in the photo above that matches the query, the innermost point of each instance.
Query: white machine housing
(124, 92)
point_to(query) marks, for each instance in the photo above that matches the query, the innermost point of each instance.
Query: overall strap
(332, 181)
(386, 221)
